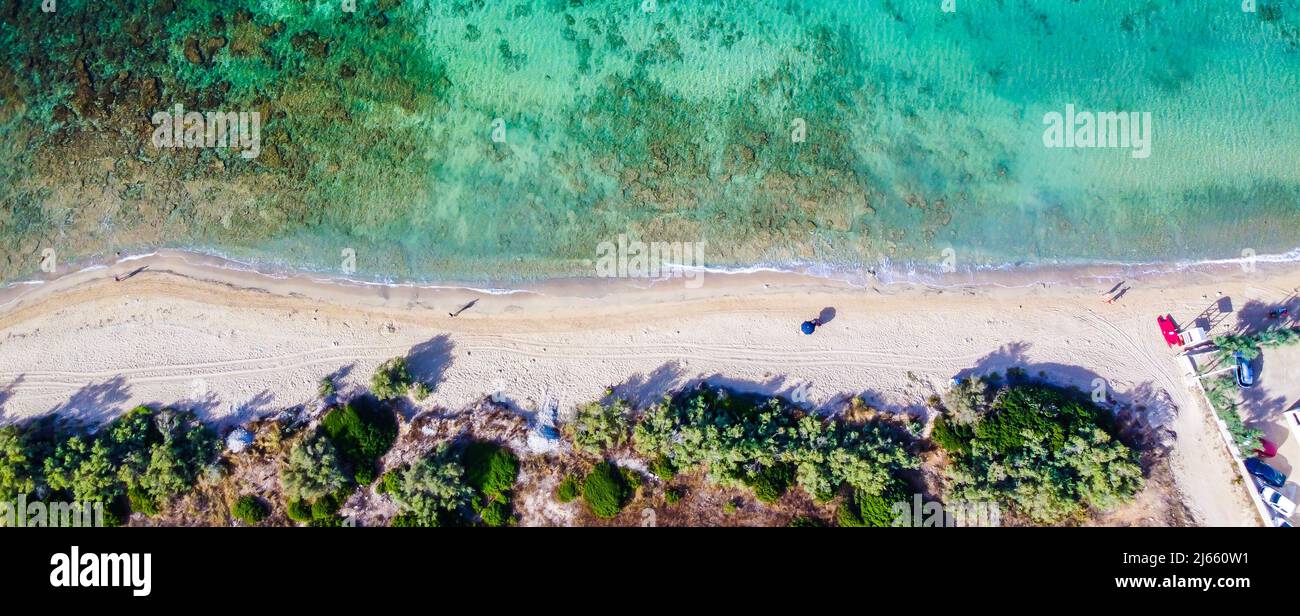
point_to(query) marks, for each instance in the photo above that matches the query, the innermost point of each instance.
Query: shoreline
(235, 344)
(1001, 276)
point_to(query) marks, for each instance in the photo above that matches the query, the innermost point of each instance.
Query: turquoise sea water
(924, 132)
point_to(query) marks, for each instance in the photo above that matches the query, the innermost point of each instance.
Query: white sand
(236, 344)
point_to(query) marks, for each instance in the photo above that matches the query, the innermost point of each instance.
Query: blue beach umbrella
(808, 327)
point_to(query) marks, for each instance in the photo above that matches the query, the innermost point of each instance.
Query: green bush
(83, 467)
(155, 455)
(605, 490)
(141, 502)
(770, 483)
(490, 469)
(631, 479)
(567, 490)
(874, 510)
(596, 428)
(672, 496)
(391, 379)
(362, 435)
(250, 510)
(803, 521)
(299, 511)
(847, 514)
(312, 469)
(432, 491)
(952, 437)
(727, 434)
(496, 513)
(419, 391)
(332, 520)
(966, 401)
(324, 508)
(1047, 453)
(390, 482)
(408, 520)
(325, 388)
(662, 468)
(17, 464)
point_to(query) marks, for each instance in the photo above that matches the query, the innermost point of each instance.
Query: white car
(1278, 502)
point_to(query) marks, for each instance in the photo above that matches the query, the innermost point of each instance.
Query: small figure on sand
(809, 327)
(1114, 298)
(463, 308)
(121, 277)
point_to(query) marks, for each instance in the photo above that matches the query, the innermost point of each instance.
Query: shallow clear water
(924, 133)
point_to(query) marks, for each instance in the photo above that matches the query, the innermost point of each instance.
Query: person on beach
(809, 327)
(1116, 297)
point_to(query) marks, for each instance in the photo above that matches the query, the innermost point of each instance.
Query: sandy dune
(234, 344)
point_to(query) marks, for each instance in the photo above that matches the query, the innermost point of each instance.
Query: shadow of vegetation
(342, 373)
(644, 389)
(252, 408)
(95, 403)
(8, 392)
(428, 361)
(1256, 316)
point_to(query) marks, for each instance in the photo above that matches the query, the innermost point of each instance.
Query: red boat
(1169, 330)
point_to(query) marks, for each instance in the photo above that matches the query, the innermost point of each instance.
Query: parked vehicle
(1265, 473)
(1267, 449)
(1245, 375)
(1278, 502)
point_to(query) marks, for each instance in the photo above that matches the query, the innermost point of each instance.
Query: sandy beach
(190, 331)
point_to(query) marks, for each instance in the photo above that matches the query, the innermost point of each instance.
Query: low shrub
(141, 502)
(362, 433)
(874, 510)
(770, 482)
(953, 437)
(312, 469)
(662, 468)
(596, 428)
(491, 469)
(391, 379)
(496, 513)
(419, 391)
(432, 490)
(325, 388)
(605, 490)
(298, 511)
(1047, 452)
(803, 521)
(567, 490)
(390, 482)
(250, 510)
